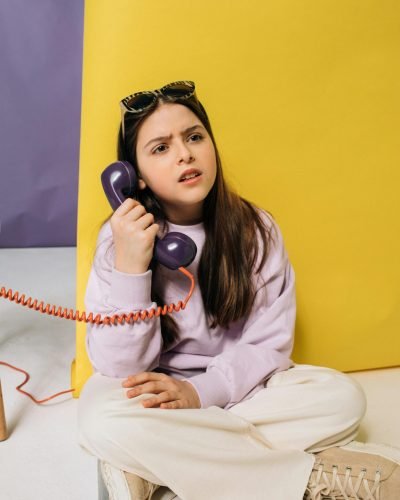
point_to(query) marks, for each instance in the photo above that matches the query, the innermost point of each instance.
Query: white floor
(41, 458)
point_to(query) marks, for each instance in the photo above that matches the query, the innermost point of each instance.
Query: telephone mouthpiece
(175, 250)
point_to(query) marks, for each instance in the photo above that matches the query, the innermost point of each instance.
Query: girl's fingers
(163, 398)
(166, 392)
(153, 229)
(145, 221)
(131, 210)
(126, 206)
(143, 389)
(139, 378)
(136, 212)
(172, 405)
(156, 387)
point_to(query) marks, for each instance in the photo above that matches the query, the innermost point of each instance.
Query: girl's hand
(171, 393)
(134, 233)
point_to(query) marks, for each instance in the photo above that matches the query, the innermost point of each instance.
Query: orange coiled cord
(98, 320)
(27, 377)
(59, 312)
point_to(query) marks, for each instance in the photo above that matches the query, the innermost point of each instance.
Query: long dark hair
(231, 248)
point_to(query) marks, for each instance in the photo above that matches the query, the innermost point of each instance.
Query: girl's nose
(184, 154)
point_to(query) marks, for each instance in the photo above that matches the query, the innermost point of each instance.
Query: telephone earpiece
(119, 182)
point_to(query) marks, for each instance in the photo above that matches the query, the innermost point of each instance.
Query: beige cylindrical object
(3, 426)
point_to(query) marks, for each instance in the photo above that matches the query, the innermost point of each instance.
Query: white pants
(258, 449)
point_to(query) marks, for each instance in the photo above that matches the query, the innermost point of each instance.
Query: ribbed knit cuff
(131, 291)
(212, 388)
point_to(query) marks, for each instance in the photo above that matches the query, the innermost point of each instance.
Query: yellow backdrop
(303, 98)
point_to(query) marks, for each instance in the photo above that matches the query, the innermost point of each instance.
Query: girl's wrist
(195, 394)
(128, 268)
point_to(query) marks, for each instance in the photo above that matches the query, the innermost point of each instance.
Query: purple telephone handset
(175, 249)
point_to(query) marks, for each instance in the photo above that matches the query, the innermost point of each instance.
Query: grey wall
(40, 97)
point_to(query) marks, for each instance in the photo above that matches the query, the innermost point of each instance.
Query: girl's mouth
(191, 180)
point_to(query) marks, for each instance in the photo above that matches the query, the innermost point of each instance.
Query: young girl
(207, 402)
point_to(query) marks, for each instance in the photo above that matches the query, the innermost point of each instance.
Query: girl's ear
(140, 182)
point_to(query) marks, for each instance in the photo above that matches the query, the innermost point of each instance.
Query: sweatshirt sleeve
(123, 349)
(267, 338)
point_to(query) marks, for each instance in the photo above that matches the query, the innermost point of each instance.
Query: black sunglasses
(139, 101)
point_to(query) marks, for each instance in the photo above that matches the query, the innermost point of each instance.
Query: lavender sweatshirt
(224, 365)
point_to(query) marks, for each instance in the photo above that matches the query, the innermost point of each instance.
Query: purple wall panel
(40, 100)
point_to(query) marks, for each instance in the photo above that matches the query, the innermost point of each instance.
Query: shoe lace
(320, 485)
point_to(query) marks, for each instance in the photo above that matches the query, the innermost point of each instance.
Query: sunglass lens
(178, 90)
(140, 101)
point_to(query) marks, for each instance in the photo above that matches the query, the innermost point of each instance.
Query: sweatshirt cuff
(212, 388)
(131, 291)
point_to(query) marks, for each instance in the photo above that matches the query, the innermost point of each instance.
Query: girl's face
(165, 149)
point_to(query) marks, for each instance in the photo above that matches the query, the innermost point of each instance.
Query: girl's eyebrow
(167, 137)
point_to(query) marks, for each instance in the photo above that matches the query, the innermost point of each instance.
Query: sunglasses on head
(135, 103)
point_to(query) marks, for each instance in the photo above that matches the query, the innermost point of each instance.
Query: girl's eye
(196, 135)
(157, 149)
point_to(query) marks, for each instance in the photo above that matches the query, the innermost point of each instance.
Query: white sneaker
(126, 486)
(356, 471)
